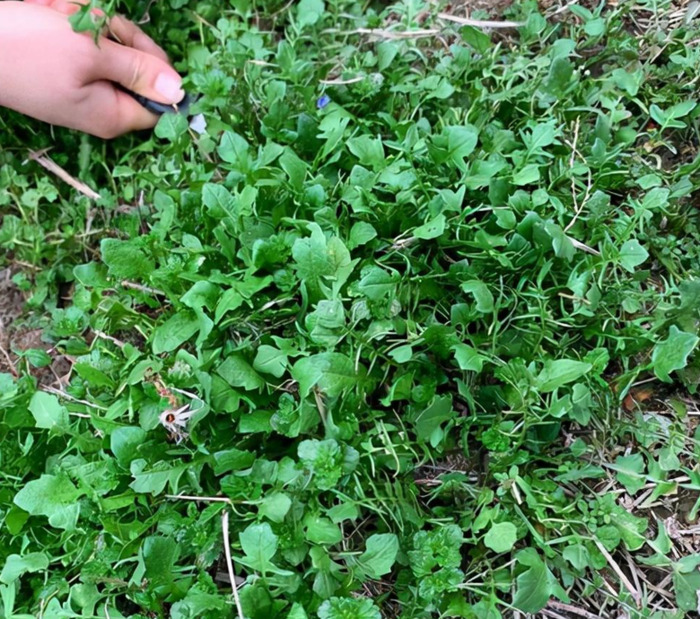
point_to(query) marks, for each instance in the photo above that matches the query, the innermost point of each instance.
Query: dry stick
(67, 396)
(54, 168)
(229, 564)
(480, 23)
(205, 499)
(574, 151)
(141, 288)
(574, 610)
(616, 568)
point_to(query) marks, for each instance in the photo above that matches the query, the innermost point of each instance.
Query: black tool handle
(162, 108)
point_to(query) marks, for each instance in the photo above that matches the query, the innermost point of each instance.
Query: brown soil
(15, 336)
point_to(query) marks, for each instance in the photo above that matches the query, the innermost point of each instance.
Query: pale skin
(64, 78)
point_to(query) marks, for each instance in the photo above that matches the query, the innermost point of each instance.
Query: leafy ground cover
(409, 331)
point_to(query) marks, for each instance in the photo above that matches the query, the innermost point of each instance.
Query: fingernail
(169, 87)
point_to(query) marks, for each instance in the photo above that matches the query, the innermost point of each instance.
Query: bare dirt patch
(17, 336)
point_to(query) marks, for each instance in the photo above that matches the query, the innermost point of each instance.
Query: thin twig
(66, 396)
(574, 610)
(50, 165)
(616, 568)
(206, 499)
(142, 288)
(229, 564)
(339, 82)
(480, 23)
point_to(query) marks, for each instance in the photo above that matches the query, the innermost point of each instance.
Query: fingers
(116, 112)
(129, 34)
(138, 71)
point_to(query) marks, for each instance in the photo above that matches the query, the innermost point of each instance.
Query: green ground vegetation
(416, 318)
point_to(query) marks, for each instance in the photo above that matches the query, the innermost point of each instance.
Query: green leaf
(577, 555)
(53, 496)
(348, 608)
(259, 544)
(501, 537)
(672, 353)
(432, 229)
(686, 587)
(632, 254)
(461, 141)
(528, 175)
(270, 360)
(482, 295)
(322, 530)
(171, 126)
(309, 12)
(561, 372)
(174, 332)
(125, 260)
(124, 443)
(468, 358)
(631, 472)
(533, 587)
(48, 412)
(275, 506)
(237, 372)
(380, 554)
(331, 372)
(159, 556)
(361, 233)
(17, 565)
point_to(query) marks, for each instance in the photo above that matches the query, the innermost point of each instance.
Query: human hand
(54, 74)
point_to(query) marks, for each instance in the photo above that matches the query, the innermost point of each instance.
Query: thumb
(138, 71)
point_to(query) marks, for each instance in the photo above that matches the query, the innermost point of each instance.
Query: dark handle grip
(162, 108)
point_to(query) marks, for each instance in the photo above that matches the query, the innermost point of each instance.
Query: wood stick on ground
(50, 165)
(573, 610)
(229, 564)
(636, 596)
(480, 23)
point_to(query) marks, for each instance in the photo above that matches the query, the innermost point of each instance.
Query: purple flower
(323, 101)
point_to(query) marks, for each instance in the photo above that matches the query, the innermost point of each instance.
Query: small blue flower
(323, 101)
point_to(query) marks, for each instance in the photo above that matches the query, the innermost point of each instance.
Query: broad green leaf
(379, 555)
(321, 530)
(534, 586)
(501, 537)
(631, 472)
(461, 141)
(309, 12)
(672, 353)
(432, 229)
(361, 233)
(632, 254)
(270, 360)
(174, 332)
(275, 506)
(17, 565)
(331, 372)
(48, 412)
(482, 295)
(124, 443)
(125, 260)
(468, 358)
(159, 556)
(259, 544)
(53, 496)
(237, 372)
(528, 175)
(561, 372)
